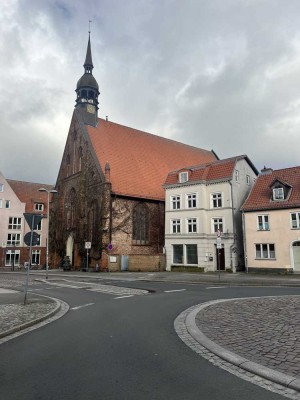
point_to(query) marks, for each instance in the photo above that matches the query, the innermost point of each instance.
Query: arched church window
(70, 208)
(80, 155)
(91, 94)
(140, 234)
(84, 94)
(68, 161)
(92, 222)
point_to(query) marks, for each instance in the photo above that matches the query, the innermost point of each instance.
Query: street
(121, 345)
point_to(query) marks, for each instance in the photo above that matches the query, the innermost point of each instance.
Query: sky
(217, 74)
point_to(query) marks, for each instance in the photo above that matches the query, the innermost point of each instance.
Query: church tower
(88, 91)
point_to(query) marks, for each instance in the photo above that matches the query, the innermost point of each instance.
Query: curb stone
(60, 306)
(264, 377)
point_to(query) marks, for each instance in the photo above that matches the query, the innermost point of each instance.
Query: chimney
(106, 118)
(266, 171)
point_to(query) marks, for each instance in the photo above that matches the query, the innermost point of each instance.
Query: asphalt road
(122, 348)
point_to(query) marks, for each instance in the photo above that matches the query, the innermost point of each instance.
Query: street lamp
(48, 218)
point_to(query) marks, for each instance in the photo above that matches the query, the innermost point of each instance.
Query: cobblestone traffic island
(263, 330)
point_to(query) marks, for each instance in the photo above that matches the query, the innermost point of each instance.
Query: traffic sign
(110, 247)
(33, 219)
(88, 245)
(35, 239)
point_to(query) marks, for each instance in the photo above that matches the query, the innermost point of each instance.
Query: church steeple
(88, 90)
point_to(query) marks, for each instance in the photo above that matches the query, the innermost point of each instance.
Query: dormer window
(183, 177)
(278, 194)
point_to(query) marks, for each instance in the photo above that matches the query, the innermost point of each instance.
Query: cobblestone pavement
(262, 330)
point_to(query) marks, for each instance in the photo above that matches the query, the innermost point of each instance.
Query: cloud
(218, 74)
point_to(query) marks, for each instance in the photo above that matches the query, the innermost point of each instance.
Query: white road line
(84, 305)
(216, 287)
(123, 297)
(175, 290)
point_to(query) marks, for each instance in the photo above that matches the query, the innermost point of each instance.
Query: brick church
(110, 190)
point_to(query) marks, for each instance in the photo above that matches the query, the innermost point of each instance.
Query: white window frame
(184, 260)
(39, 226)
(1, 203)
(38, 207)
(295, 222)
(269, 252)
(13, 239)
(36, 254)
(175, 225)
(237, 175)
(183, 177)
(217, 224)
(15, 223)
(193, 223)
(278, 194)
(191, 200)
(1, 187)
(175, 199)
(12, 254)
(216, 197)
(264, 224)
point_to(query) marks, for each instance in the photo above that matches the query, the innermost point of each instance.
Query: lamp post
(48, 218)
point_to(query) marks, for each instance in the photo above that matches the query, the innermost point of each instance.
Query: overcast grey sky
(217, 74)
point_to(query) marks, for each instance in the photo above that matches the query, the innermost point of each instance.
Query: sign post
(88, 246)
(219, 246)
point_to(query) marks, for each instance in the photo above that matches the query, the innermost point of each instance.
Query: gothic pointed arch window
(92, 222)
(140, 234)
(80, 156)
(70, 208)
(68, 161)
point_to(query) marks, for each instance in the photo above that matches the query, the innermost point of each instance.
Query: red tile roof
(29, 193)
(213, 171)
(260, 195)
(139, 161)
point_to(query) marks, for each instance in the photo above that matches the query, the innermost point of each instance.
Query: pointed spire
(88, 64)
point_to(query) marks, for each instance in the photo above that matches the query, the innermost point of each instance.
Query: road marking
(123, 297)
(84, 305)
(175, 290)
(216, 287)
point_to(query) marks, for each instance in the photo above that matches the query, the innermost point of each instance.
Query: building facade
(17, 198)
(202, 209)
(109, 185)
(271, 216)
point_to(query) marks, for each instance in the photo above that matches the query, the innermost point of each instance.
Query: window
(265, 251)
(237, 175)
(217, 225)
(39, 226)
(175, 202)
(185, 254)
(176, 225)
(192, 225)
(0, 203)
(12, 258)
(248, 179)
(38, 206)
(1, 187)
(191, 254)
(278, 194)
(295, 220)
(263, 222)
(14, 223)
(191, 200)
(7, 203)
(183, 177)
(177, 253)
(13, 239)
(141, 224)
(35, 258)
(216, 200)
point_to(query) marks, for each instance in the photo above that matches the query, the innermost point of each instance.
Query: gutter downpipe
(244, 241)
(233, 228)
